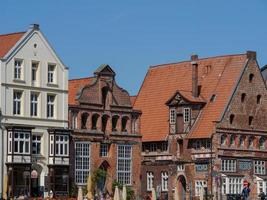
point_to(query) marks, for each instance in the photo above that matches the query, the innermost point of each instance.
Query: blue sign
(201, 167)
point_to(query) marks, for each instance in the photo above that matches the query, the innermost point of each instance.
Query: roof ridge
(81, 78)
(6, 34)
(199, 59)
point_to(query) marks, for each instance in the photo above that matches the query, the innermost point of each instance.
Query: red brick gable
(7, 41)
(217, 75)
(75, 85)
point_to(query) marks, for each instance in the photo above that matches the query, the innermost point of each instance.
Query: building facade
(34, 116)
(204, 134)
(106, 137)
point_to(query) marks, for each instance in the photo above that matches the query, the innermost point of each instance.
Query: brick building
(105, 131)
(204, 125)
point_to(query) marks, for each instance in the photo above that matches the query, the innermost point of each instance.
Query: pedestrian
(245, 192)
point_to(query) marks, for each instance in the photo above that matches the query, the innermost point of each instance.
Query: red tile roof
(7, 41)
(75, 85)
(217, 75)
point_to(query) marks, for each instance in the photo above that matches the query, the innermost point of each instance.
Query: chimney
(35, 26)
(194, 64)
(251, 55)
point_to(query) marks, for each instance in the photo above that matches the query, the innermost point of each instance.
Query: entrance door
(181, 187)
(101, 184)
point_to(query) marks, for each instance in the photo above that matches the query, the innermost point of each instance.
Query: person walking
(245, 192)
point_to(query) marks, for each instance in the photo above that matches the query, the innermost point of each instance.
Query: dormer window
(187, 115)
(172, 116)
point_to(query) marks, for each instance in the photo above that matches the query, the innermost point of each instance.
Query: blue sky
(133, 35)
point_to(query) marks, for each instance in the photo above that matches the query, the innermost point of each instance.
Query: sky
(131, 36)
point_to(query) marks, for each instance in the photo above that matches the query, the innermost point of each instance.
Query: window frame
(82, 162)
(187, 115)
(124, 157)
(259, 167)
(21, 141)
(164, 181)
(38, 142)
(198, 185)
(50, 106)
(18, 69)
(17, 102)
(149, 180)
(103, 150)
(34, 104)
(172, 116)
(228, 165)
(51, 75)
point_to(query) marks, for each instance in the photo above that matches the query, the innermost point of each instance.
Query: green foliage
(73, 189)
(96, 176)
(130, 192)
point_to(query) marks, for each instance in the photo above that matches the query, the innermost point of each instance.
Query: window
(124, 123)
(34, 104)
(94, 121)
(51, 73)
(84, 120)
(228, 165)
(223, 139)
(262, 143)
(36, 144)
(199, 184)
(104, 150)
(104, 122)
(259, 167)
(261, 186)
(34, 71)
(250, 120)
(243, 96)
(61, 145)
(17, 69)
(250, 142)
(258, 99)
(21, 143)
(50, 106)
(232, 140)
(172, 116)
(124, 164)
(10, 142)
(242, 141)
(149, 180)
(232, 185)
(17, 102)
(187, 115)
(114, 122)
(82, 162)
(251, 76)
(74, 120)
(232, 116)
(213, 97)
(164, 181)
(180, 167)
(200, 167)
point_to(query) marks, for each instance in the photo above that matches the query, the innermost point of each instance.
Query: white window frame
(164, 181)
(37, 140)
(261, 186)
(187, 115)
(34, 71)
(51, 68)
(124, 164)
(18, 64)
(61, 143)
(180, 167)
(74, 120)
(21, 140)
(259, 167)
(10, 142)
(17, 102)
(82, 162)
(198, 185)
(228, 165)
(172, 116)
(34, 104)
(149, 181)
(51, 105)
(104, 150)
(232, 185)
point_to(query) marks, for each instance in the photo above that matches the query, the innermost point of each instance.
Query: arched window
(251, 76)
(250, 120)
(104, 96)
(124, 123)
(232, 116)
(258, 99)
(84, 118)
(223, 139)
(262, 143)
(232, 140)
(104, 122)
(242, 141)
(243, 97)
(114, 122)
(250, 142)
(94, 121)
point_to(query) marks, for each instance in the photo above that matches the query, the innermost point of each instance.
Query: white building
(34, 116)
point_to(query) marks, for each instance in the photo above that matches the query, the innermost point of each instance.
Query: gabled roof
(187, 96)
(104, 69)
(75, 85)
(7, 41)
(217, 76)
